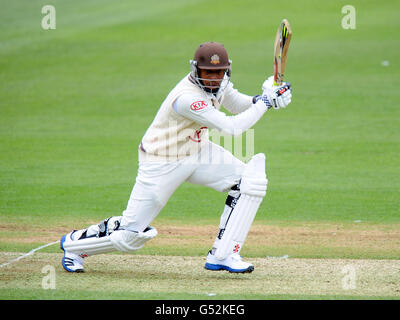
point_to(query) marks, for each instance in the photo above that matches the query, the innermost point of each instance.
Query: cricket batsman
(176, 149)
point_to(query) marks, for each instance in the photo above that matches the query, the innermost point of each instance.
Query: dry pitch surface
(308, 240)
(375, 274)
(178, 275)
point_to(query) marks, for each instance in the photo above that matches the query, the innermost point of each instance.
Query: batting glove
(268, 84)
(279, 96)
(263, 100)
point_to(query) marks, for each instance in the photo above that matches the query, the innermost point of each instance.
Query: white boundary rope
(28, 254)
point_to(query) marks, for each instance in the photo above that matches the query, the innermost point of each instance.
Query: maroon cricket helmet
(212, 55)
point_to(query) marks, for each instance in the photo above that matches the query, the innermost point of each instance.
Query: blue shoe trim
(63, 259)
(210, 266)
(62, 242)
(65, 267)
(215, 267)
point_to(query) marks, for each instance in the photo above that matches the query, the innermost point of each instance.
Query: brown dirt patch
(312, 239)
(151, 274)
(364, 240)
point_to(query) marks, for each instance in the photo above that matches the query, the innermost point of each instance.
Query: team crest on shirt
(197, 134)
(198, 105)
(215, 59)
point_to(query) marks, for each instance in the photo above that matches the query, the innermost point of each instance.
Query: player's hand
(263, 101)
(279, 96)
(268, 84)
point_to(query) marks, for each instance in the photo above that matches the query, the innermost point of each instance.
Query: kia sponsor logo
(198, 105)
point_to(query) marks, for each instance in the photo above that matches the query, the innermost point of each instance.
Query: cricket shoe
(233, 263)
(71, 261)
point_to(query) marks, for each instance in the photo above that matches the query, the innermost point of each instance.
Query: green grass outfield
(76, 101)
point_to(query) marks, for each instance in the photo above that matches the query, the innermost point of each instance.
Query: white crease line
(28, 254)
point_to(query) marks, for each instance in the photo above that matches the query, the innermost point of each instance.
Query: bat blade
(281, 47)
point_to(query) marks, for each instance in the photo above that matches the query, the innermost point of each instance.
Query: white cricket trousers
(213, 167)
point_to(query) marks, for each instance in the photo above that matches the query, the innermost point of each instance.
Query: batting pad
(122, 240)
(253, 187)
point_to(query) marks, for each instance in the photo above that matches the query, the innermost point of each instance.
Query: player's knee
(124, 240)
(254, 180)
(139, 214)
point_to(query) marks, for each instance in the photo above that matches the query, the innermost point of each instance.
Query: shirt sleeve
(200, 111)
(234, 101)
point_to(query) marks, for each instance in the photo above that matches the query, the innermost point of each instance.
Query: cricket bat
(281, 47)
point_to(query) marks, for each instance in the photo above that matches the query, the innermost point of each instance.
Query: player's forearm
(231, 125)
(207, 115)
(238, 102)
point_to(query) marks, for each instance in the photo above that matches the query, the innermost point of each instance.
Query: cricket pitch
(174, 277)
